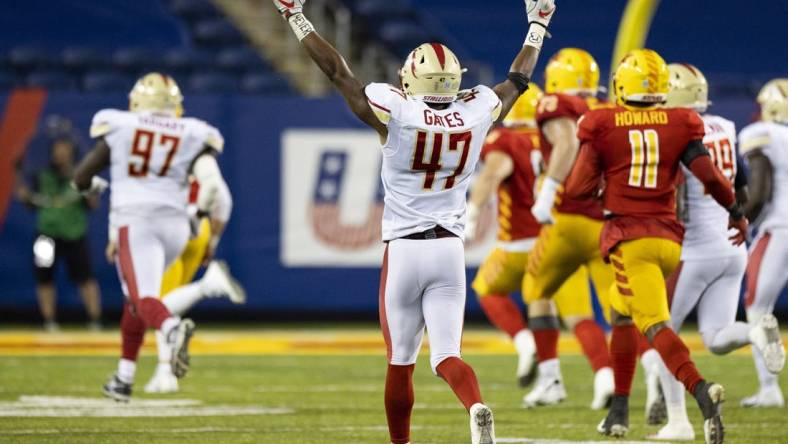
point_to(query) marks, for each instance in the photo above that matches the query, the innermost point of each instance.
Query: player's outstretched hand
(740, 225)
(540, 11)
(289, 7)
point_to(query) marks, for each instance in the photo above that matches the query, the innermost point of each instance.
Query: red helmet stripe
(438, 48)
(692, 69)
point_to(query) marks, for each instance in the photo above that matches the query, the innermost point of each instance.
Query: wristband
(520, 81)
(535, 37)
(735, 211)
(300, 25)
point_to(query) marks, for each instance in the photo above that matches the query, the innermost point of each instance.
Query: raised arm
(330, 62)
(524, 63)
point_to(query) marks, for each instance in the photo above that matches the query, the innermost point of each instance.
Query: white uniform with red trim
(766, 272)
(428, 159)
(151, 156)
(712, 267)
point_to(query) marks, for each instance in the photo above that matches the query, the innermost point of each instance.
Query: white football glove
(543, 207)
(472, 222)
(289, 7)
(97, 186)
(542, 12)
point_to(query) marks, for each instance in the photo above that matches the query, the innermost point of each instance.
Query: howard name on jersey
(516, 192)
(429, 156)
(150, 156)
(705, 221)
(772, 139)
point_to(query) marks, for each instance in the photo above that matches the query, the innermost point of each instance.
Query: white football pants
(146, 246)
(767, 272)
(422, 285)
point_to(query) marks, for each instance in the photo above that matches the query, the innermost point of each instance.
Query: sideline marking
(67, 407)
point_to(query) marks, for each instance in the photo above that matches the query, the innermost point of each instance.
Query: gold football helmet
(572, 71)
(642, 76)
(773, 99)
(432, 73)
(523, 112)
(156, 92)
(688, 88)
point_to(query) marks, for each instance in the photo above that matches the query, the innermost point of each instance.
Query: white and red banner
(332, 201)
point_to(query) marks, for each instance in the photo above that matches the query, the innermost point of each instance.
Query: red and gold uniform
(571, 243)
(503, 270)
(637, 152)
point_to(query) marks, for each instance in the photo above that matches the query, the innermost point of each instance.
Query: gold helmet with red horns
(432, 73)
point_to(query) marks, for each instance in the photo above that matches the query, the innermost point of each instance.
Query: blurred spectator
(62, 223)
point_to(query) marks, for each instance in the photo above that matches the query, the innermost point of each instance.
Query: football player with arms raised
(568, 242)
(636, 148)
(151, 151)
(764, 146)
(710, 273)
(432, 135)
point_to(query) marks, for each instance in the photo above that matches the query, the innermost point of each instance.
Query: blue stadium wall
(297, 279)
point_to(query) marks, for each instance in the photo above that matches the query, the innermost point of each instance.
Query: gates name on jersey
(156, 148)
(443, 143)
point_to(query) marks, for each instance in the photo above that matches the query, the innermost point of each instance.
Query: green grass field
(322, 399)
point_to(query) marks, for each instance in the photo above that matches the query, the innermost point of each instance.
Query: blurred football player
(710, 273)
(151, 151)
(180, 294)
(764, 145)
(569, 240)
(431, 135)
(636, 148)
(512, 161)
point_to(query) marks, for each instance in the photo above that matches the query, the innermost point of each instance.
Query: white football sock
(168, 325)
(673, 391)
(730, 338)
(183, 298)
(165, 352)
(766, 378)
(550, 369)
(126, 370)
(650, 360)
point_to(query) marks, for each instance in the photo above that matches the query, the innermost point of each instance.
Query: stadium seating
(104, 81)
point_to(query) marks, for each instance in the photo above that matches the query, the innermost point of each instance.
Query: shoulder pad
(105, 122)
(754, 136)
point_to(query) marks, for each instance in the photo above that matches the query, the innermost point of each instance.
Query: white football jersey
(150, 158)
(772, 139)
(429, 156)
(705, 221)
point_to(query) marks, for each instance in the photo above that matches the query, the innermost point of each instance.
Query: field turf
(322, 398)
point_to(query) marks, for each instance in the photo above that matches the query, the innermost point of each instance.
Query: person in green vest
(61, 224)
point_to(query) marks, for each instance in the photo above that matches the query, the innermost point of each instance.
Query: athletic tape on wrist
(300, 25)
(535, 37)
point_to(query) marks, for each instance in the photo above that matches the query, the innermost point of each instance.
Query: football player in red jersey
(568, 242)
(636, 148)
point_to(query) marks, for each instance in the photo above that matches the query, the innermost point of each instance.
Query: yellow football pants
(641, 267)
(502, 272)
(183, 269)
(562, 249)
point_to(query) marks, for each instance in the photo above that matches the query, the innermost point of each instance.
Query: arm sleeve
(223, 205)
(385, 100)
(206, 171)
(214, 138)
(716, 184)
(583, 181)
(693, 150)
(104, 122)
(741, 175)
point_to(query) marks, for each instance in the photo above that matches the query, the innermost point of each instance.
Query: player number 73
(457, 141)
(644, 146)
(142, 147)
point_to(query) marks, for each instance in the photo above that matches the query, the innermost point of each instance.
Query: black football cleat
(116, 389)
(657, 411)
(616, 424)
(710, 397)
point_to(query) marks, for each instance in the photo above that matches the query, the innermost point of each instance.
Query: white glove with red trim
(289, 8)
(540, 11)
